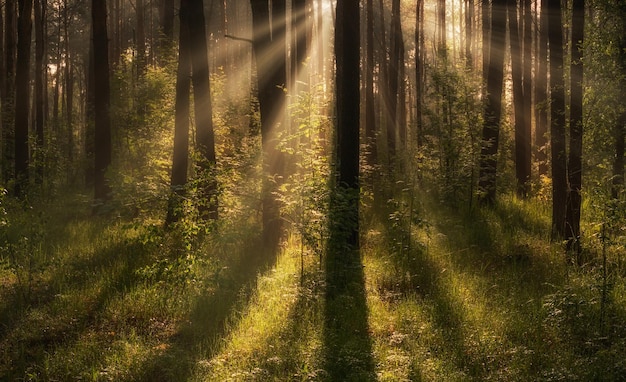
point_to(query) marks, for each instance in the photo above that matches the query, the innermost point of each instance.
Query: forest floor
(438, 294)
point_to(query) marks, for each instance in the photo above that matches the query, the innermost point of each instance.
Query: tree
(205, 139)
(270, 55)
(525, 151)
(40, 52)
(102, 95)
(574, 168)
(8, 101)
(180, 159)
(22, 95)
(370, 112)
(347, 48)
(419, 68)
(557, 120)
(522, 135)
(541, 93)
(493, 108)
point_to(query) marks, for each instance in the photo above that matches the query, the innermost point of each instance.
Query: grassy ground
(455, 295)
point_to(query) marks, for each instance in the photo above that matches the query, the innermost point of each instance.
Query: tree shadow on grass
(347, 344)
(200, 337)
(483, 245)
(34, 329)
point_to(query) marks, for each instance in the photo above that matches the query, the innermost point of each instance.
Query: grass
(465, 296)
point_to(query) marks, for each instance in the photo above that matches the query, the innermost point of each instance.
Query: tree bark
(526, 138)
(370, 112)
(180, 160)
(493, 109)
(419, 68)
(347, 48)
(270, 54)
(574, 167)
(22, 96)
(40, 51)
(557, 120)
(205, 138)
(102, 95)
(522, 137)
(8, 105)
(541, 93)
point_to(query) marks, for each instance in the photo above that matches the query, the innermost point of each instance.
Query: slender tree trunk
(8, 106)
(395, 37)
(102, 157)
(180, 160)
(486, 30)
(526, 138)
(347, 45)
(270, 55)
(40, 49)
(90, 107)
(493, 109)
(522, 139)
(22, 95)
(402, 87)
(557, 120)
(299, 40)
(205, 139)
(574, 168)
(69, 86)
(541, 94)
(441, 20)
(419, 68)
(469, 21)
(370, 112)
(141, 37)
(167, 23)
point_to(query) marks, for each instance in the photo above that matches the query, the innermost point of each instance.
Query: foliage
(305, 194)
(453, 129)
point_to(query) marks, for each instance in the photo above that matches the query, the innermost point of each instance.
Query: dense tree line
(444, 99)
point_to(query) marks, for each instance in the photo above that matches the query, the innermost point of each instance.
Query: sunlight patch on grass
(277, 336)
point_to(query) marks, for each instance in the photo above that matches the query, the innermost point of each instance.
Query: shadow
(27, 338)
(487, 246)
(212, 316)
(347, 347)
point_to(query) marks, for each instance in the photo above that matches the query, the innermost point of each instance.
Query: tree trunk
(419, 68)
(205, 139)
(90, 107)
(395, 37)
(141, 37)
(493, 109)
(102, 94)
(526, 138)
(8, 105)
(469, 21)
(347, 48)
(541, 93)
(486, 30)
(40, 50)
(574, 168)
(69, 86)
(270, 55)
(370, 112)
(522, 141)
(181, 123)
(167, 23)
(557, 120)
(22, 95)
